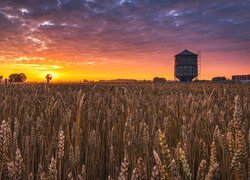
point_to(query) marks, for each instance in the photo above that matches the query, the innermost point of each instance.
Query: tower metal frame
(199, 64)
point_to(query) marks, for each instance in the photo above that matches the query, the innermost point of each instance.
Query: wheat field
(125, 131)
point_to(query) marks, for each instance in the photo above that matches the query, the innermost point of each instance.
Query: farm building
(241, 77)
(186, 66)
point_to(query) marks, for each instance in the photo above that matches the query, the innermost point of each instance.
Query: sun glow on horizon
(106, 70)
(54, 75)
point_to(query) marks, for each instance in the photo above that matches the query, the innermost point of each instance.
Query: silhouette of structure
(186, 66)
(241, 77)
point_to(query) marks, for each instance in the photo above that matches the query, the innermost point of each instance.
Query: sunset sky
(110, 39)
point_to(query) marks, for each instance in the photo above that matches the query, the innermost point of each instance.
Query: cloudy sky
(109, 39)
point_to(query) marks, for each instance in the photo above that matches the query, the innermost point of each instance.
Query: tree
(159, 80)
(1, 77)
(48, 77)
(17, 77)
(219, 79)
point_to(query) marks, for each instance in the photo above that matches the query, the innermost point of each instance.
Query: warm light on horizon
(53, 74)
(104, 72)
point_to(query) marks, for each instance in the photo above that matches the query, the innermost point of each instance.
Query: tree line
(21, 77)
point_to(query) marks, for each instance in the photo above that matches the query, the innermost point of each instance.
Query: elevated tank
(186, 66)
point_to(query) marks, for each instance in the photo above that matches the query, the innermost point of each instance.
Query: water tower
(186, 66)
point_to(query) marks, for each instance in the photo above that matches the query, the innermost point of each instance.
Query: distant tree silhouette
(159, 80)
(219, 79)
(48, 77)
(1, 77)
(17, 77)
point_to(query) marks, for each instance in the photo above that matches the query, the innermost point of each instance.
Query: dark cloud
(76, 30)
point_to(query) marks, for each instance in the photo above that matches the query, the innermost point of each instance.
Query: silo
(186, 67)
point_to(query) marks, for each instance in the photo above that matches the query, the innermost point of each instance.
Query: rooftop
(186, 52)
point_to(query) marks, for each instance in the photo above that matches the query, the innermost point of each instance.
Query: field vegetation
(125, 131)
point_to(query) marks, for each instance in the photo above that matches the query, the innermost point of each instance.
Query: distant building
(241, 78)
(186, 66)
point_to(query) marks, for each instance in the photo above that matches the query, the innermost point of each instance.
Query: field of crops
(126, 131)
